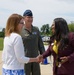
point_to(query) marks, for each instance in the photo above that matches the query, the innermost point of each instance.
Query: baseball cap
(28, 13)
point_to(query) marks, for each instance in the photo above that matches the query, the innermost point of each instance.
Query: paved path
(45, 69)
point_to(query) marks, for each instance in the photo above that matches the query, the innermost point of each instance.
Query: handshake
(39, 58)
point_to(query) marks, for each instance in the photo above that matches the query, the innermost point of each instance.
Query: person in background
(62, 48)
(13, 56)
(32, 43)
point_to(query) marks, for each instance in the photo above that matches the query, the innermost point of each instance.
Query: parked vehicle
(45, 38)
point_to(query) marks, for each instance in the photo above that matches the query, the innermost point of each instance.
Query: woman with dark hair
(62, 48)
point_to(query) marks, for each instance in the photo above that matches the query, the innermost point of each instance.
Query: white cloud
(44, 11)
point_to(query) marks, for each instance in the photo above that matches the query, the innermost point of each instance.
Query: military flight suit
(33, 46)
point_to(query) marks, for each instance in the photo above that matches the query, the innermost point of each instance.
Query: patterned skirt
(13, 72)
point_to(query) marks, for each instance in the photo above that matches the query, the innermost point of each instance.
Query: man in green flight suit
(33, 44)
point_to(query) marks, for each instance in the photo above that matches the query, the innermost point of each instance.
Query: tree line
(45, 30)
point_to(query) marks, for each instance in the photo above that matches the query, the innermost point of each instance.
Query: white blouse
(13, 52)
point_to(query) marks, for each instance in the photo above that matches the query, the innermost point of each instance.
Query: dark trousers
(32, 69)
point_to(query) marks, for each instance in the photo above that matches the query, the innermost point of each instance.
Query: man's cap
(28, 13)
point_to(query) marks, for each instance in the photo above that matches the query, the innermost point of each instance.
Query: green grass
(45, 43)
(1, 44)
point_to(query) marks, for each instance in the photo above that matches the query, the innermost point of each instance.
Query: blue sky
(44, 11)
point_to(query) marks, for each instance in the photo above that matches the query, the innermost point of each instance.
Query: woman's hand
(40, 58)
(64, 59)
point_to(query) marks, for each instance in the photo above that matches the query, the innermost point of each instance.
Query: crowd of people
(23, 47)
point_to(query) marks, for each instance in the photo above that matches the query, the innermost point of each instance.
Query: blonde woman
(13, 52)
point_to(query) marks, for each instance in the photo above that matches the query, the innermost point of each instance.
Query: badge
(52, 44)
(26, 34)
(34, 32)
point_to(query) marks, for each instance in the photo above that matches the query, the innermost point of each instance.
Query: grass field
(1, 44)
